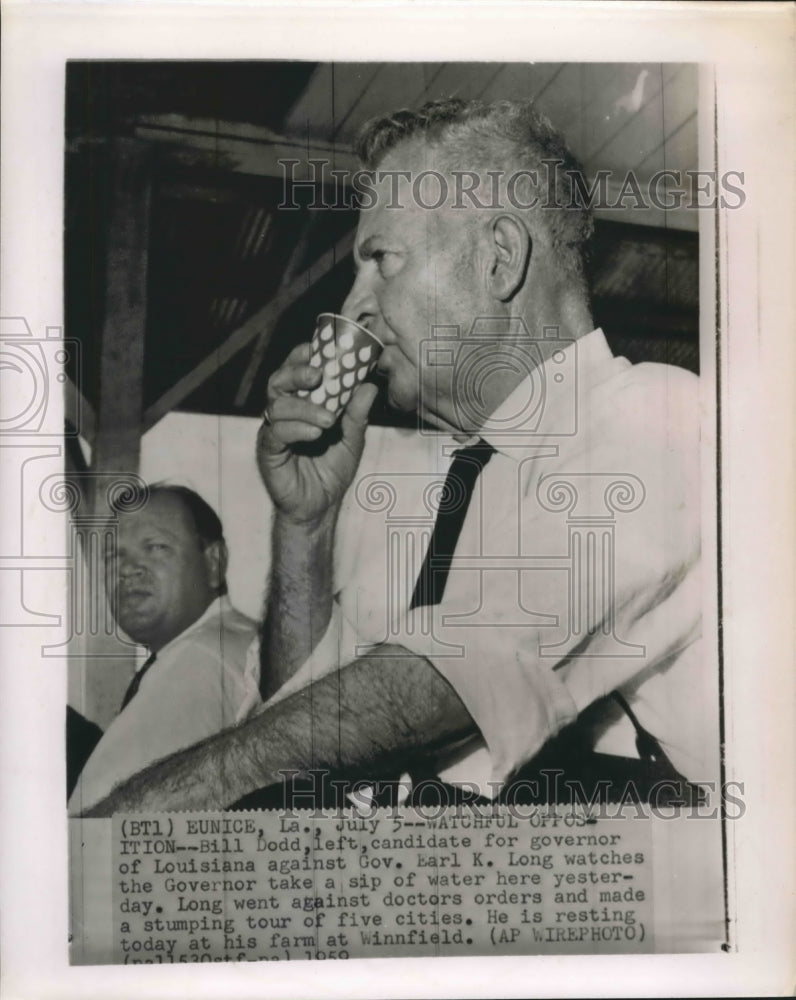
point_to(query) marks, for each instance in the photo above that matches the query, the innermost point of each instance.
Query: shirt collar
(220, 606)
(587, 360)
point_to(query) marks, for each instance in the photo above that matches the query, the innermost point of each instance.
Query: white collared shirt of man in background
(194, 689)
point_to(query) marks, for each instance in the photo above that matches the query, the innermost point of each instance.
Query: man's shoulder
(226, 634)
(657, 374)
(643, 422)
(651, 399)
(236, 621)
(651, 375)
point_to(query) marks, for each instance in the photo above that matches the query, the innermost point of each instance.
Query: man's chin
(137, 624)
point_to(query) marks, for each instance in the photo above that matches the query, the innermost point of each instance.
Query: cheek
(167, 578)
(406, 299)
(192, 576)
(409, 327)
(393, 312)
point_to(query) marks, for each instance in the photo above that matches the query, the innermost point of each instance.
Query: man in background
(514, 621)
(166, 582)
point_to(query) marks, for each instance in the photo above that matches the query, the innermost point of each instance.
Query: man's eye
(157, 546)
(385, 260)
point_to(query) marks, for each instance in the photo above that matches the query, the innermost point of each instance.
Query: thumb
(355, 415)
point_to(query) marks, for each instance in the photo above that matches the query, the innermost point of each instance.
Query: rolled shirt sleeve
(516, 702)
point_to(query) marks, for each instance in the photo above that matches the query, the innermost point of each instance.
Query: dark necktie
(457, 493)
(455, 499)
(135, 683)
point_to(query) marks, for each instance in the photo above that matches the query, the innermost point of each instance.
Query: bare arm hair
(300, 600)
(375, 716)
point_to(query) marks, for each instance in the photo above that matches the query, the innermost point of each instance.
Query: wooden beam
(680, 217)
(187, 191)
(263, 319)
(258, 352)
(117, 428)
(78, 411)
(117, 438)
(241, 148)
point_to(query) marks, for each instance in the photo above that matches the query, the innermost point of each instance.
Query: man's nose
(128, 565)
(360, 303)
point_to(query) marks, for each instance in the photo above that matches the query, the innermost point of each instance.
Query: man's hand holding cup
(319, 384)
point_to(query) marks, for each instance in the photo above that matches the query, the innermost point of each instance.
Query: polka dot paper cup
(347, 353)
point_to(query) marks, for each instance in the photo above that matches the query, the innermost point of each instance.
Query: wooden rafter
(258, 352)
(117, 440)
(240, 147)
(78, 411)
(263, 319)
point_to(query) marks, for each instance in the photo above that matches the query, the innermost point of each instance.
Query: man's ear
(510, 252)
(216, 562)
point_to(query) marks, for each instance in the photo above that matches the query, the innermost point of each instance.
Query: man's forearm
(371, 718)
(299, 601)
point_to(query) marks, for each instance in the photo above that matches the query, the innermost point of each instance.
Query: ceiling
(621, 117)
(639, 116)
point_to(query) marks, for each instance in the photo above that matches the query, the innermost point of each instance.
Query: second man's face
(417, 268)
(162, 580)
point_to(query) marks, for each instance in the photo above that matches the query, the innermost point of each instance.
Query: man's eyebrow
(155, 534)
(176, 535)
(151, 535)
(364, 251)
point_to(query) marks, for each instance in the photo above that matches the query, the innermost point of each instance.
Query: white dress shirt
(576, 572)
(195, 687)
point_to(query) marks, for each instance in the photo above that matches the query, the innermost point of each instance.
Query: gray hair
(510, 135)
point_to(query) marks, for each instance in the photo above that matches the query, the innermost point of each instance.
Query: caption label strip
(262, 886)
